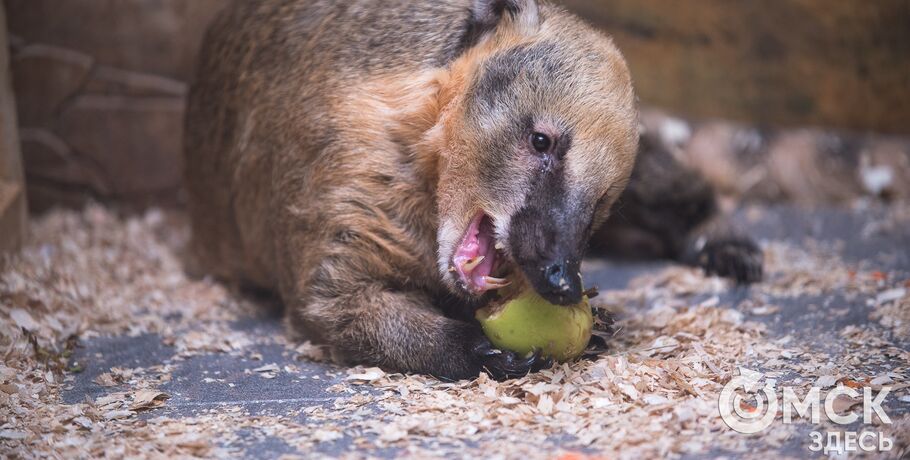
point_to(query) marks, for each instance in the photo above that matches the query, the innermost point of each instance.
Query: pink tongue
(485, 247)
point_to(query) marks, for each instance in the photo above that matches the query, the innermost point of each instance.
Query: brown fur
(335, 153)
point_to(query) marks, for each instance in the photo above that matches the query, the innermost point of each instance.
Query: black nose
(561, 283)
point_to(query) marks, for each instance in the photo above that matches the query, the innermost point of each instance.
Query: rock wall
(101, 87)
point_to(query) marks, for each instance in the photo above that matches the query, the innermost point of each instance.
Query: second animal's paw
(504, 365)
(732, 257)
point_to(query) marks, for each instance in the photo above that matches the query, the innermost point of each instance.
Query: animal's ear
(487, 14)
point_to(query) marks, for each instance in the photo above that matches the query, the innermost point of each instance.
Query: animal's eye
(541, 142)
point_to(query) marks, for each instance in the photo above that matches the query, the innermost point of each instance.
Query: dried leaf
(146, 399)
(272, 367)
(118, 414)
(326, 435)
(392, 433)
(24, 320)
(881, 380)
(545, 404)
(825, 381)
(13, 434)
(368, 375)
(105, 380)
(843, 403)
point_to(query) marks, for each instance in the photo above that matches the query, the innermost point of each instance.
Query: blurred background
(804, 101)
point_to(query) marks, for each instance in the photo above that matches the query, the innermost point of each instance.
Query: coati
(383, 165)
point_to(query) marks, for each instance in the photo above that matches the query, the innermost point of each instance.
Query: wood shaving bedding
(653, 393)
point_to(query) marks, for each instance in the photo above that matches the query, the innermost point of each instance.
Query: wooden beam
(13, 210)
(833, 63)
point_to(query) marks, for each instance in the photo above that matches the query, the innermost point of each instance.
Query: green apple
(528, 322)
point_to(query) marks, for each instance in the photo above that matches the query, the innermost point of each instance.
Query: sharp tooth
(496, 282)
(471, 264)
(499, 245)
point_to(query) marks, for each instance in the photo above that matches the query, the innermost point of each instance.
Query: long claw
(496, 283)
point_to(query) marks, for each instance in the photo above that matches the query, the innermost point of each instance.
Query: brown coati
(383, 165)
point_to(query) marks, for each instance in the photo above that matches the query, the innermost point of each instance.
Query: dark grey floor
(866, 235)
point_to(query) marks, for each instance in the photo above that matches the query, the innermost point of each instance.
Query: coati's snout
(547, 241)
(538, 146)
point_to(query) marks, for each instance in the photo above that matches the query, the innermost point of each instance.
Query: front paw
(732, 257)
(504, 365)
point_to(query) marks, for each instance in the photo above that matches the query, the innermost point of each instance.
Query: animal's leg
(375, 325)
(670, 211)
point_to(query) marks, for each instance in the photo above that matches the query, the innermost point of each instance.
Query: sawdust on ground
(654, 392)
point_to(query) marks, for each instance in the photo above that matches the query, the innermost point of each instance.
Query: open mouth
(478, 258)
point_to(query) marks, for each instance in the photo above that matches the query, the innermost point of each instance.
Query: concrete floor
(803, 318)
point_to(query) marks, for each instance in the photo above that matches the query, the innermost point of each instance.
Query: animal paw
(504, 365)
(732, 257)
